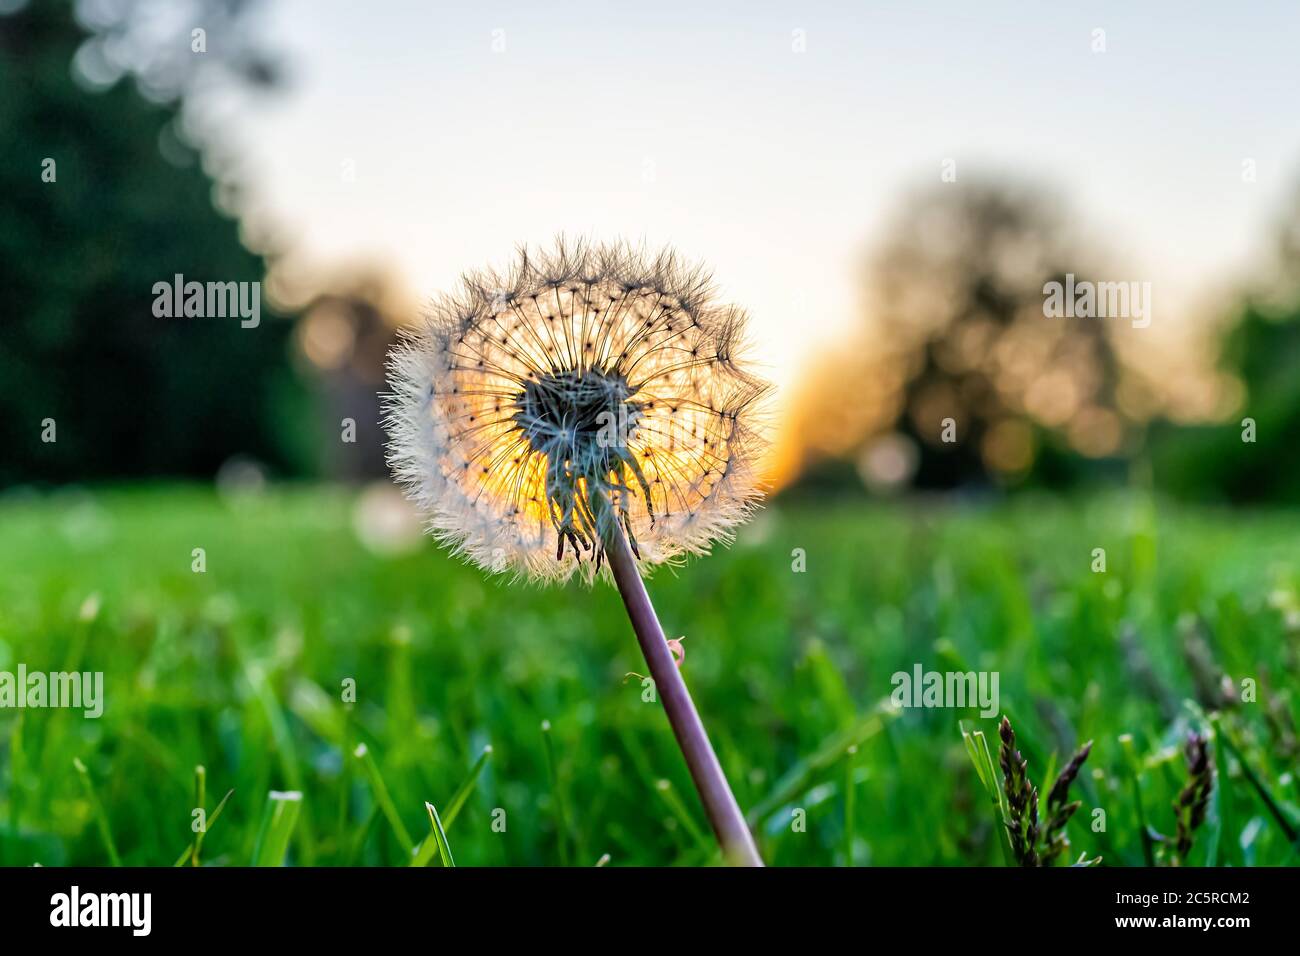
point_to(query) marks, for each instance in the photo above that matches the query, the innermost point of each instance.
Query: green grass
(242, 669)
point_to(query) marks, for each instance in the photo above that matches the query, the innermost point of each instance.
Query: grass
(244, 670)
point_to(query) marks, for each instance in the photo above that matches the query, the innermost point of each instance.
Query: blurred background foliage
(1261, 347)
(130, 394)
(952, 304)
(954, 328)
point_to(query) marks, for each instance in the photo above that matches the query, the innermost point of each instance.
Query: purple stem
(715, 793)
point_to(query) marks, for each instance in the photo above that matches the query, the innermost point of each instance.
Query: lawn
(247, 667)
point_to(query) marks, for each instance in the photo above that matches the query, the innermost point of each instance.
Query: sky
(770, 140)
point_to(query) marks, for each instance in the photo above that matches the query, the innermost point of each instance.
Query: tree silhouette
(101, 198)
(956, 353)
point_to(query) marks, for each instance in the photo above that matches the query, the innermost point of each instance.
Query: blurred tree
(101, 197)
(1255, 455)
(343, 339)
(959, 373)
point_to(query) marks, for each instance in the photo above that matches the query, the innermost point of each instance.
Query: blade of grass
(362, 835)
(191, 854)
(991, 768)
(1134, 767)
(256, 676)
(561, 821)
(101, 818)
(829, 680)
(1221, 818)
(278, 821)
(1265, 794)
(429, 847)
(968, 739)
(382, 797)
(439, 835)
(670, 796)
(805, 772)
(200, 794)
(977, 748)
(466, 788)
(849, 794)
(211, 820)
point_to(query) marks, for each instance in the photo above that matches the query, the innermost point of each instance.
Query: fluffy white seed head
(586, 386)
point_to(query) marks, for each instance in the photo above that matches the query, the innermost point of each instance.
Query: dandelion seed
(586, 412)
(589, 386)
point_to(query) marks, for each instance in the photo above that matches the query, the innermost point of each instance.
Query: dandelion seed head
(586, 386)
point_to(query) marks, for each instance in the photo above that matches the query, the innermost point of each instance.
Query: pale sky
(474, 127)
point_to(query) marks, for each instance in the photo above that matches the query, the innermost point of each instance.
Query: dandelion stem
(715, 793)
